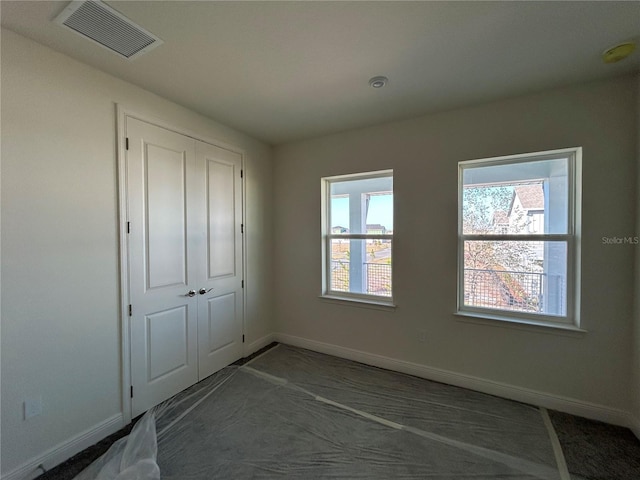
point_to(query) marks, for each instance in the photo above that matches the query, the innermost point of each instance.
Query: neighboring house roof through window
(531, 197)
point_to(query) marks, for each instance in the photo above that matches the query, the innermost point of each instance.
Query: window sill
(358, 302)
(520, 324)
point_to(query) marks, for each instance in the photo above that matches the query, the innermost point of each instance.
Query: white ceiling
(283, 71)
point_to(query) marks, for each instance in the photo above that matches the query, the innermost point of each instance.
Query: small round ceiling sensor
(378, 82)
(618, 52)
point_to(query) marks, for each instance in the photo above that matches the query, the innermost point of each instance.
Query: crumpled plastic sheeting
(130, 458)
(292, 413)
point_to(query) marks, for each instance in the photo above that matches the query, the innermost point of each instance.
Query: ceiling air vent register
(105, 26)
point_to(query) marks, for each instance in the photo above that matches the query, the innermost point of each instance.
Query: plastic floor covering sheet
(293, 413)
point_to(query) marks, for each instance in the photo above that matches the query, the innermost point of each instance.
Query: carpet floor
(592, 450)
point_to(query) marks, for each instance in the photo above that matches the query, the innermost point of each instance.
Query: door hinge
(242, 338)
(130, 310)
(128, 227)
(126, 143)
(241, 173)
(242, 283)
(242, 228)
(131, 392)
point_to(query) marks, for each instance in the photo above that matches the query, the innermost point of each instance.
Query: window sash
(568, 319)
(571, 238)
(530, 237)
(356, 295)
(573, 157)
(328, 236)
(360, 236)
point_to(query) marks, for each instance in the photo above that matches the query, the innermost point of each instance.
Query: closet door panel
(163, 263)
(220, 330)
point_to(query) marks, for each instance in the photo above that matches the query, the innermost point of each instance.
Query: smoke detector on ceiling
(378, 82)
(107, 27)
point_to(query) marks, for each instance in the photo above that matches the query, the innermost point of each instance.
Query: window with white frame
(518, 241)
(358, 236)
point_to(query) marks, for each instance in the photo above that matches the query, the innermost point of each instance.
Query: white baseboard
(524, 395)
(256, 345)
(66, 450)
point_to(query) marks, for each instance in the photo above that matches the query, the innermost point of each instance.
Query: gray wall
(592, 368)
(61, 334)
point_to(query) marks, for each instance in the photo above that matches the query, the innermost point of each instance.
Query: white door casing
(184, 202)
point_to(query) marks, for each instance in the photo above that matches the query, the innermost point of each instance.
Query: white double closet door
(184, 201)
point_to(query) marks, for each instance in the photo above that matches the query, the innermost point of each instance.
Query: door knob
(202, 291)
(191, 293)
